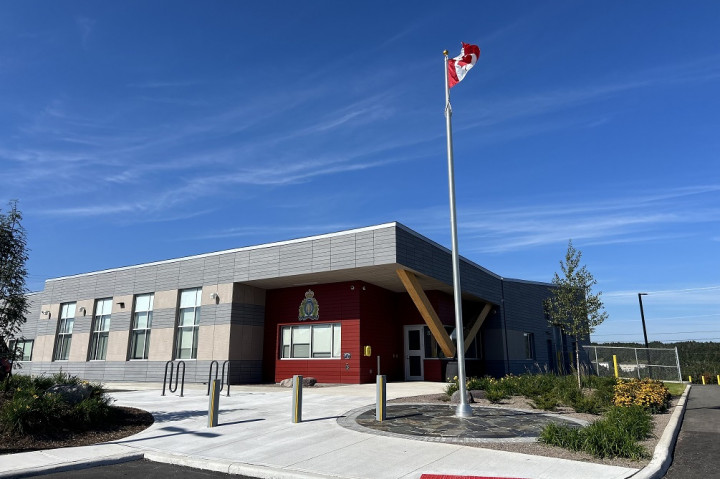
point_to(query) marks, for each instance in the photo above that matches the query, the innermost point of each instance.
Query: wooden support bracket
(422, 303)
(476, 326)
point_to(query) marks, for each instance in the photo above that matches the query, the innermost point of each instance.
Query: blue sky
(137, 131)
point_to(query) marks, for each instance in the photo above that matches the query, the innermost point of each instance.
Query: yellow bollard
(690, 379)
(703, 379)
(718, 378)
(617, 375)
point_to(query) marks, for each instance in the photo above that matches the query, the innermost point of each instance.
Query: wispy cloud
(624, 219)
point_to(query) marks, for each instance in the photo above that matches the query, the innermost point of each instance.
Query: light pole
(642, 316)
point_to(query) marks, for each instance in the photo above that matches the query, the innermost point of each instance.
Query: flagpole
(463, 408)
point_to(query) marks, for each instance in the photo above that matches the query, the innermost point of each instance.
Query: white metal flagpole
(463, 408)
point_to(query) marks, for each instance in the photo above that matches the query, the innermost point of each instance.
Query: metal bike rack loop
(176, 369)
(224, 377)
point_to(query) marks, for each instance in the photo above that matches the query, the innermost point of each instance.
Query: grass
(676, 389)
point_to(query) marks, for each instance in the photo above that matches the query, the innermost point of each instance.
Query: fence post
(677, 362)
(617, 375)
(597, 363)
(637, 364)
(214, 403)
(297, 399)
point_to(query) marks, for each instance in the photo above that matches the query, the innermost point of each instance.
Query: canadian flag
(461, 64)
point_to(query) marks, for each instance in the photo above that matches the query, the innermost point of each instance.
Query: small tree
(13, 293)
(572, 305)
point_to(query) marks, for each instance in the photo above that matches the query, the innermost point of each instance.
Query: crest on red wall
(309, 308)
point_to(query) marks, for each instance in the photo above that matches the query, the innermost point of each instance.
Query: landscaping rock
(71, 393)
(455, 399)
(307, 382)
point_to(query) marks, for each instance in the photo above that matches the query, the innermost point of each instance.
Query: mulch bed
(126, 422)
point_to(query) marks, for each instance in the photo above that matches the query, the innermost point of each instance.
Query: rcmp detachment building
(324, 306)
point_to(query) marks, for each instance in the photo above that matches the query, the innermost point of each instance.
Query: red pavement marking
(445, 476)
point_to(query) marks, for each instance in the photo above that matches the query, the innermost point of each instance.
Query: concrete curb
(73, 466)
(230, 467)
(662, 457)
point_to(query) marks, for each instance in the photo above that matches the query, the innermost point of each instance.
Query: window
(433, 350)
(101, 329)
(310, 341)
(141, 325)
(188, 323)
(23, 348)
(529, 345)
(64, 332)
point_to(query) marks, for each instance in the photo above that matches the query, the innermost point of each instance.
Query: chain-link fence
(655, 363)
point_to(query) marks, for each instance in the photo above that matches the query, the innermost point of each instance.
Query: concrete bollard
(380, 398)
(214, 404)
(297, 399)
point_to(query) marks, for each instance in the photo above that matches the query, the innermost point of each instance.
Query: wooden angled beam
(422, 303)
(476, 326)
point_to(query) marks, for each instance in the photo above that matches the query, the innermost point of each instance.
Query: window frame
(194, 328)
(100, 318)
(335, 341)
(135, 331)
(529, 345)
(22, 344)
(63, 335)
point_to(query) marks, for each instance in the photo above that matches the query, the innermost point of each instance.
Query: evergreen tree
(13, 293)
(572, 305)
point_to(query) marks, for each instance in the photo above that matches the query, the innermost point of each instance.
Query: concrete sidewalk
(256, 438)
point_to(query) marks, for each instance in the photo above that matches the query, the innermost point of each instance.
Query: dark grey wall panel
(167, 276)
(321, 259)
(247, 314)
(145, 280)
(190, 273)
(264, 263)
(163, 318)
(242, 266)
(226, 268)
(121, 321)
(124, 282)
(211, 265)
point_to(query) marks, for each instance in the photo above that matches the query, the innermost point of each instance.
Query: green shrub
(30, 409)
(616, 435)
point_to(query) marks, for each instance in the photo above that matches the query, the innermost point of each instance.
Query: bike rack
(175, 368)
(224, 377)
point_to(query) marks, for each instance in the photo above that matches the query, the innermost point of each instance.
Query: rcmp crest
(309, 308)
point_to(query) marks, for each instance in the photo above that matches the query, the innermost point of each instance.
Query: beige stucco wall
(213, 342)
(161, 344)
(43, 348)
(224, 292)
(79, 346)
(165, 299)
(117, 345)
(126, 299)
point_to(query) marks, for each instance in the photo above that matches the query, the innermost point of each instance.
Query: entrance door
(414, 353)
